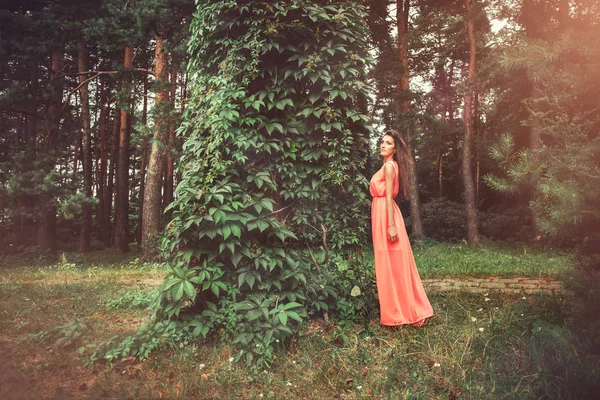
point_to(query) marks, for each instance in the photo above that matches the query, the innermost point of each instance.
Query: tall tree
(143, 162)
(47, 216)
(121, 238)
(104, 138)
(402, 17)
(151, 219)
(470, 205)
(86, 219)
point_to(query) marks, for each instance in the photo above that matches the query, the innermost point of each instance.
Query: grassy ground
(493, 258)
(476, 347)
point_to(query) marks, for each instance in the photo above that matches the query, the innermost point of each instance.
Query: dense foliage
(275, 138)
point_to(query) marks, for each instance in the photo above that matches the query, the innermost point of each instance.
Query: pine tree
(564, 170)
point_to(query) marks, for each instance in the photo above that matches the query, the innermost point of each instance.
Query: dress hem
(424, 319)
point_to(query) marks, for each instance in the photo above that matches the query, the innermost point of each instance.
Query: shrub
(445, 220)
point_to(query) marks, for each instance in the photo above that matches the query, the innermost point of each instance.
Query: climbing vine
(275, 139)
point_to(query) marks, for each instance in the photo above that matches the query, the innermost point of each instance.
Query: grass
(509, 347)
(492, 258)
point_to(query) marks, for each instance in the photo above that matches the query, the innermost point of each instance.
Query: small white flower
(276, 340)
(487, 299)
(257, 345)
(486, 295)
(294, 362)
(260, 395)
(265, 371)
(359, 387)
(481, 329)
(521, 314)
(495, 308)
(480, 310)
(524, 298)
(436, 365)
(289, 383)
(201, 366)
(473, 319)
(230, 359)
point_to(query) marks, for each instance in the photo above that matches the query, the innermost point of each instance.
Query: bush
(445, 220)
(506, 224)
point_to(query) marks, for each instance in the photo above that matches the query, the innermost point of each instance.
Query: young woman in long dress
(402, 299)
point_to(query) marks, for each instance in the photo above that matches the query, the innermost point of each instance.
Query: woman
(402, 299)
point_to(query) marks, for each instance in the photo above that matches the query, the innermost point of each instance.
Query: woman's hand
(392, 234)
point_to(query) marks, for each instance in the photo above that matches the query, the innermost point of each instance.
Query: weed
(132, 299)
(62, 335)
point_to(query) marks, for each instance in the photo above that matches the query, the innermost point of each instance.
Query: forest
(226, 147)
(497, 102)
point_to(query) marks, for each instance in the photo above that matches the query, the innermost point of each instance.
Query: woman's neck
(388, 158)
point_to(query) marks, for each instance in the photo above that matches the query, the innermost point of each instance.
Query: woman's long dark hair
(401, 157)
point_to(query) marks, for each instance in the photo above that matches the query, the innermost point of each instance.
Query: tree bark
(470, 205)
(122, 192)
(402, 13)
(440, 173)
(102, 158)
(110, 185)
(47, 217)
(151, 224)
(86, 219)
(143, 163)
(169, 179)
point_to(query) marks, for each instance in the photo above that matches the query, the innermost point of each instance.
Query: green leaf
(262, 224)
(178, 291)
(294, 315)
(235, 259)
(226, 231)
(314, 97)
(236, 231)
(215, 289)
(190, 290)
(291, 305)
(283, 317)
(254, 314)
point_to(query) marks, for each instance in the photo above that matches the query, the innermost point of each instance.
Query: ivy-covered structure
(275, 139)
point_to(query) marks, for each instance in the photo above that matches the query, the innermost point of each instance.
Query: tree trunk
(470, 205)
(169, 181)
(402, 13)
(47, 220)
(122, 192)
(152, 196)
(440, 173)
(110, 184)
(103, 158)
(477, 133)
(86, 219)
(143, 163)
(76, 153)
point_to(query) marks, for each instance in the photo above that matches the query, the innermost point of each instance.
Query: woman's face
(387, 146)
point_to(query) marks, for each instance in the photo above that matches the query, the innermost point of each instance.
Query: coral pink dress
(402, 299)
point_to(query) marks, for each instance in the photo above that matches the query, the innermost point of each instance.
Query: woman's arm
(389, 199)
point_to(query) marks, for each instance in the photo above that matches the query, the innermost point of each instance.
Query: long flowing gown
(402, 299)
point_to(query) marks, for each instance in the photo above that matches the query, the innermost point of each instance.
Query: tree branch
(22, 111)
(573, 169)
(144, 70)
(325, 247)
